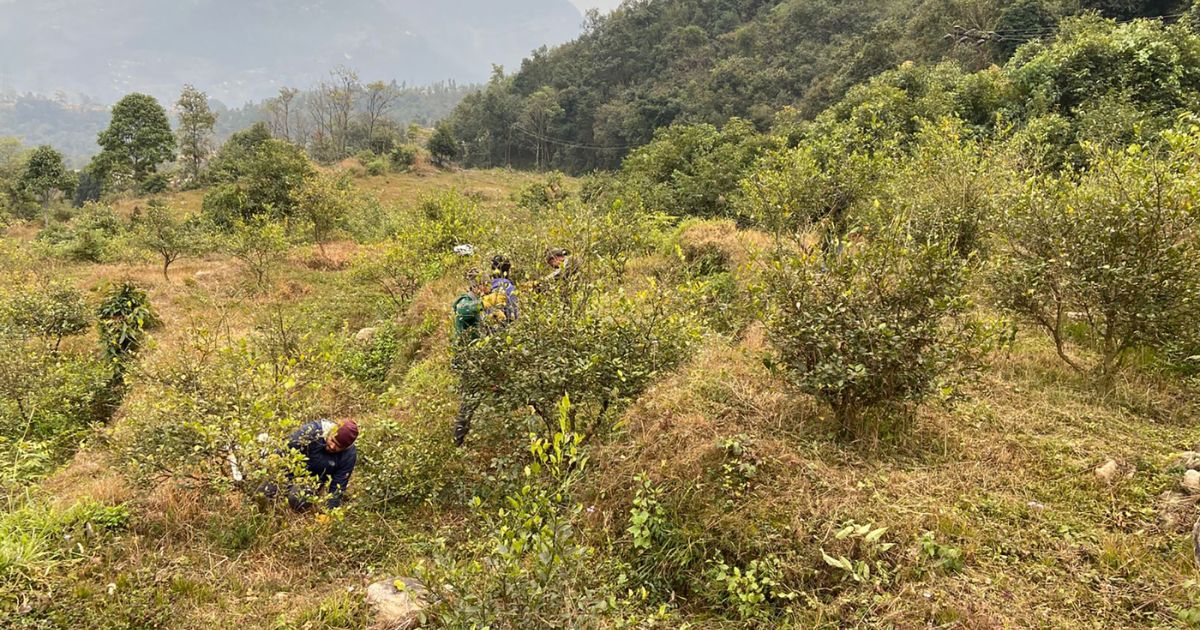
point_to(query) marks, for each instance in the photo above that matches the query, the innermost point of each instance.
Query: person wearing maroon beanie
(330, 456)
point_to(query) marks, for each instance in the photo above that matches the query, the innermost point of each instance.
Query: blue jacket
(508, 289)
(332, 469)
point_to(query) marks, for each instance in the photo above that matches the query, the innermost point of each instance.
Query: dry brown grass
(1005, 475)
(90, 474)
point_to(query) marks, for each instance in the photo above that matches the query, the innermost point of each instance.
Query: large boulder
(399, 604)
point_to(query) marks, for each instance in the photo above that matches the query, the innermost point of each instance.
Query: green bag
(468, 310)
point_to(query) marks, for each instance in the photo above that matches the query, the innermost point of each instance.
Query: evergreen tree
(45, 174)
(138, 139)
(443, 146)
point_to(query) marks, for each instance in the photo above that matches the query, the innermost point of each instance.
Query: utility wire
(570, 143)
(964, 35)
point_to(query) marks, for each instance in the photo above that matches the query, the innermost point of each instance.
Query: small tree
(138, 139)
(817, 183)
(45, 174)
(324, 201)
(124, 317)
(443, 146)
(196, 122)
(869, 325)
(1106, 260)
(159, 232)
(260, 245)
(574, 344)
(260, 178)
(51, 312)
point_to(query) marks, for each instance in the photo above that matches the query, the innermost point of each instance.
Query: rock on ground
(1108, 471)
(365, 335)
(1189, 460)
(399, 604)
(1191, 481)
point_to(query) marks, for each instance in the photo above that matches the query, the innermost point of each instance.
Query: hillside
(239, 51)
(583, 105)
(927, 358)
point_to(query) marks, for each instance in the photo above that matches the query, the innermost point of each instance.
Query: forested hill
(583, 105)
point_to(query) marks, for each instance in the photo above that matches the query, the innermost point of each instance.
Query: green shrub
(442, 221)
(543, 194)
(90, 236)
(527, 560)
(216, 412)
(324, 203)
(160, 233)
(124, 315)
(756, 591)
(52, 311)
(1107, 259)
(943, 190)
(154, 184)
(260, 181)
(601, 350)
(377, 167)
(881, 323)
(399, 267)
(404, 157)
(819, 182)
(411, 459)
(260, 245)
(694, 170)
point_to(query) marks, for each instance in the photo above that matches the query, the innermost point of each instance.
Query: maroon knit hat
(347, 432)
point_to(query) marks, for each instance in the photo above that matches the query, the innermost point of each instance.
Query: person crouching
(330, 456)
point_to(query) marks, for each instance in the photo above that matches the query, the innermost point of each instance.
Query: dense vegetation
(581, 106)
(926, 357)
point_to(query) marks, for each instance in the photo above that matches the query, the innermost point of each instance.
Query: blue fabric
(329, 468)
(506, 286)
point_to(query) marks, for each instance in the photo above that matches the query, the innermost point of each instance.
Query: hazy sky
(584, 5)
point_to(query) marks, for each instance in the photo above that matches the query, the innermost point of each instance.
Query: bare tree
(342, 97)
(377, 101)
(280, 113)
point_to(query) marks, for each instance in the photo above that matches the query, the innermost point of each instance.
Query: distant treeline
(71, 126)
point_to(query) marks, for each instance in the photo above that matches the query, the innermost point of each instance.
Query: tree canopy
(138, 139)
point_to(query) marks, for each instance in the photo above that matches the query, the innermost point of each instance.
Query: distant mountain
(237, 50)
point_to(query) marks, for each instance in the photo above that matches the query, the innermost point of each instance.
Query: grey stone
(1191, 481)
(1189, 460)
(399, 604)
(1108, 471)
(365, 335)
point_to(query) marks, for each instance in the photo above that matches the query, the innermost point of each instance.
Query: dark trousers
(299, 497)
(462, 422)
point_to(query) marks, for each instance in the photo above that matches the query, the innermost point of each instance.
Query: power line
(570, 143)
(962, 35)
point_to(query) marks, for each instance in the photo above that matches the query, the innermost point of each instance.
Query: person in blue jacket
(330, 456)
(501, 303)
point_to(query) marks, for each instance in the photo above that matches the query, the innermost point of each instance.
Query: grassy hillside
(995, 515)
(929, 359)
